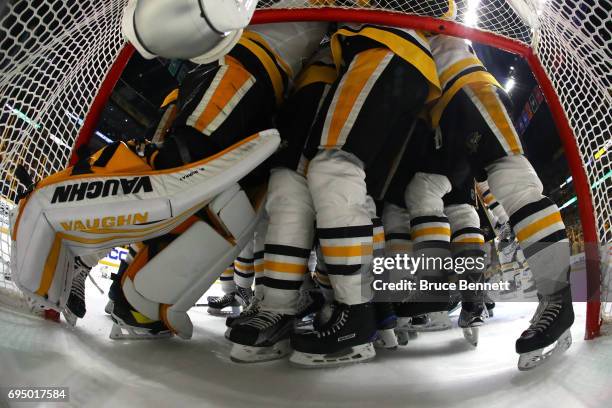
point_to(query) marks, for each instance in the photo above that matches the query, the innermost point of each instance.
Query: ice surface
(435, 370)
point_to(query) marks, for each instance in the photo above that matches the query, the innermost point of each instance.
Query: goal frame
(435, 25)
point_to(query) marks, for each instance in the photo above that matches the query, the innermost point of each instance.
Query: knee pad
(288, 193)
(462, 216)
(514, 182)
(160, 291)
(424, 194)
(336, 181)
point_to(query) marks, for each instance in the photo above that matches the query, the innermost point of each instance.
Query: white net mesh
(53, 58)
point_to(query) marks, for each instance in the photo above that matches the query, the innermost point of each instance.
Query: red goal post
(563, 41)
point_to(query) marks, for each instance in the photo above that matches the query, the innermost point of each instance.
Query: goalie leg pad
(71, 214)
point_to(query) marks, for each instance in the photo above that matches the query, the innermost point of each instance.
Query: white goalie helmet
(200, 30)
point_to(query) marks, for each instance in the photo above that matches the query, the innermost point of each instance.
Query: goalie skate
(136, 333)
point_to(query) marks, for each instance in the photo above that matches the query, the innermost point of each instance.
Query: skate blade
(471, 335)
(532, 359)
(70, 317)
(250, 354)
(352, 355)
(136, 334)
(233, 312)
(436, 321)
(403, 338)
(386, 339)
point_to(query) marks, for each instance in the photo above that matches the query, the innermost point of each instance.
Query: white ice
(435, 370)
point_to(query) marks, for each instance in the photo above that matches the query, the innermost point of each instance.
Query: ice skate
(225, 305)
(345, 339)
(108, 309)
(75, 306)
(429, 322)
(263, 337)
(549, 334)
(311, 301)
(246, 314)
(244, 295)
(489, 304)
(386, 322)
(132, 325)
(471, 318)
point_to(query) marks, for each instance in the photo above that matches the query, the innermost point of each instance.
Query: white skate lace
(252, 309)
(264, 320)
(547, 315)
(335, 327)
(227, 298)
(245, 293)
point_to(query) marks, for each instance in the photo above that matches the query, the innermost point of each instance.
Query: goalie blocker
(116, 199)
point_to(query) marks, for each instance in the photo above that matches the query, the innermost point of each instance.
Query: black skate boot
(115, 287)
(489, 304)
(244, 295)
(216, 305)
(75, 306)
(345, 338)
(137, 325)
(247, 313)
(386, 322)
(425, 311)
(263, 337)
(472, 316)
(311, 302)
(549, 333)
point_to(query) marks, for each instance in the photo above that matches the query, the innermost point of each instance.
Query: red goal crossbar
(580, 179)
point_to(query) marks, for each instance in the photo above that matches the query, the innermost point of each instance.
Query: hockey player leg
(337, 184)
(430, 232)
(288, 243)
(467, 243)
(540, 230)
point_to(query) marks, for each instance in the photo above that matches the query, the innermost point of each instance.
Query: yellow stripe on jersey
(268, 63)
(258, 38)
(455, 69)
(316, 73)
(347, 251)
(473, 77)
(285, 267)
(229, 86)
(404, 48)
(470, 240)
(498, 119)
(379, 237)
(539, 225)
(362, 68)
(419, 232)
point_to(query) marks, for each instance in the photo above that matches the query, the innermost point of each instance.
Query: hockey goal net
(59, 61)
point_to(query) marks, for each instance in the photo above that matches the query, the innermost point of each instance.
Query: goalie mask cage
(59, 61)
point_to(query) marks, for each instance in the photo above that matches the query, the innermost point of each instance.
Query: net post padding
(581, 184)
(102, 97)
